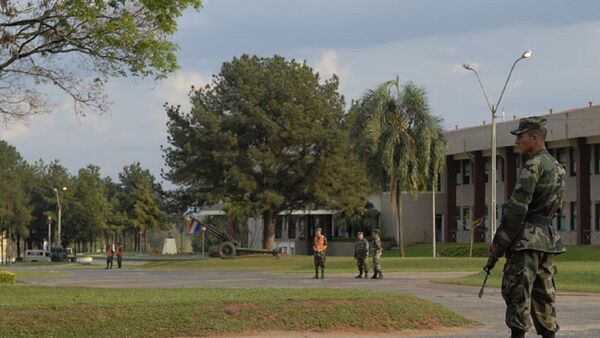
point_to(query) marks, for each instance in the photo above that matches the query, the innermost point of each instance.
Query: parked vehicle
(36, 256)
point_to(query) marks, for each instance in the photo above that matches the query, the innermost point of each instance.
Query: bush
(7, 277)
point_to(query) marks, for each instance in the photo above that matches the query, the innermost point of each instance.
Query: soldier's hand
(491, 263)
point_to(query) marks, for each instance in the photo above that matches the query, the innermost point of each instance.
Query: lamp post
(49, 234)
(58, 233)
(493, 108)
(203, 228)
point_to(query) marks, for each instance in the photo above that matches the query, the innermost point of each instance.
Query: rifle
(491, 263)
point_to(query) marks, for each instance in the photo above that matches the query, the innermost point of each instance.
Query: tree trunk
(269, 218)
(19, 246)
(399, 220)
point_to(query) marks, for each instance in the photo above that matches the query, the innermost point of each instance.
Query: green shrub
(7, 277)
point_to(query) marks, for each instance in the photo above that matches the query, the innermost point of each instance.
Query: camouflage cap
(529, 124)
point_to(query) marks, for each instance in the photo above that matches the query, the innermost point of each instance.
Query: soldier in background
(527, 238)
(109, 256)
(377, 249)
(361, 252)
(319, 249)
(119, 253)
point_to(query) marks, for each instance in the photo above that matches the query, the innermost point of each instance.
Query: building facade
(573, 138)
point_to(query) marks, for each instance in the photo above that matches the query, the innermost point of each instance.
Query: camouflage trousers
(362, 264)
(319, 260)
(528, 290)
(377, 261)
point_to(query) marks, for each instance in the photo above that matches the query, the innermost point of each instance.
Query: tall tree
(265, 136)
(400, 140)
(140, 200)
(15, 208)
(88, 210)
(76, 45)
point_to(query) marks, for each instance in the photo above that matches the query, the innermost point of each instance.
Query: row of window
(464, 217)
(464, 171)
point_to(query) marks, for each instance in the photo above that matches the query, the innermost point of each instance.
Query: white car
(36, 256)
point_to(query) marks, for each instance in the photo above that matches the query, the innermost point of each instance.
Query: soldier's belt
(540, 220)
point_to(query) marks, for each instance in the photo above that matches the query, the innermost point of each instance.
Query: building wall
(566, 130)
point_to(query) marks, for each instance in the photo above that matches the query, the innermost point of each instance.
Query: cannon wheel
(227, 250)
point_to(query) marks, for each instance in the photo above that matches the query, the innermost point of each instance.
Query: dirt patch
(442, 332)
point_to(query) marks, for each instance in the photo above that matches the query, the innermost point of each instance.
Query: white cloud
(328, 64)
(14, 132)
(175, 88)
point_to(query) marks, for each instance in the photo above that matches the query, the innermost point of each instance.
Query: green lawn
(304, 264)
(45, 311)
(578, 270)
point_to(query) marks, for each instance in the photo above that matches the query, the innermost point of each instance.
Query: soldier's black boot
(516, 333)
(316, 274)
(322, 273)
(548, 335)
(374, 274)
(379, 275)
(366, 274)
(359, 275)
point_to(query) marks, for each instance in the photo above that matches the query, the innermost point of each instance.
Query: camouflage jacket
(376, 248)
(526, 219)
(361, 249)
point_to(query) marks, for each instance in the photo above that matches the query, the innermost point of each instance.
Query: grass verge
(334, 264)
(577, 276)
(200, 312)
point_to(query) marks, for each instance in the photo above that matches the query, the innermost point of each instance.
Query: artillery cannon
(229, 246)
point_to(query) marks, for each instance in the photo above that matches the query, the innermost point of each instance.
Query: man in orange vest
(319, 249)
(109, 256)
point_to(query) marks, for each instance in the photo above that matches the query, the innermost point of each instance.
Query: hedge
(7, 277)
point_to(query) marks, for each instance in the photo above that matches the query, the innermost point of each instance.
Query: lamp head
(64, 188)
(526, 54)
(467, 66)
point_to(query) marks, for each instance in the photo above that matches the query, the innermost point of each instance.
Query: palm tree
(400, 140)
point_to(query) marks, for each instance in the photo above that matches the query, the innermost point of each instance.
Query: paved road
(579, 315)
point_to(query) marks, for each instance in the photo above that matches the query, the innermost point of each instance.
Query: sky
(364, 43)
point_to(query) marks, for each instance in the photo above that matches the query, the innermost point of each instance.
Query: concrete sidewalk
(579, 315)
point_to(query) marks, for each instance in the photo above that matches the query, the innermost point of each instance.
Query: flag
(194, 227)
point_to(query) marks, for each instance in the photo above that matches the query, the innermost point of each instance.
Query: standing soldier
(527, 238)
(109, 256)
(377, 249)
(319, 249)
(119, 254)
(361, 252)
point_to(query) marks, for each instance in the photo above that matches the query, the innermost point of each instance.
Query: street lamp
(49, 235)
(58, 241)
(493, 108)
(203, 228)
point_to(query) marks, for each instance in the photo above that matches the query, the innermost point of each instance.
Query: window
(458, 218)
(500, 169)
(466, 219)
(597, 206)
(597, 158)
(466, 171)
(573, 162)
(278, 227)
(561, 156)
(458, 165)
(292, 227)
(573, 216)
(486, 170)
(561, 219)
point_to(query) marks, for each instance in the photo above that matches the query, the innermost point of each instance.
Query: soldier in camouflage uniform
(527, 238)
(377, 249)
(361, 252)
(319, 250)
